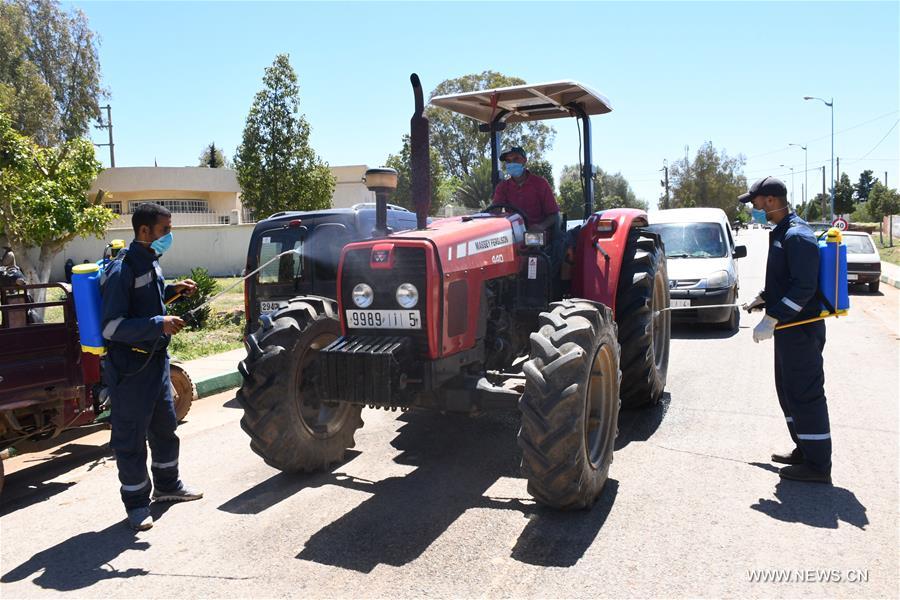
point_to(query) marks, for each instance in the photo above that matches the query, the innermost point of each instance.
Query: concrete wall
(220, 249)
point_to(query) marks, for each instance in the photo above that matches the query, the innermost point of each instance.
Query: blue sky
(678, 74)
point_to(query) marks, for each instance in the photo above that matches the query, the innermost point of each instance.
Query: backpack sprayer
(86, 290)
(833, 287)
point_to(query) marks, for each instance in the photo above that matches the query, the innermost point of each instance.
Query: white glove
(757, 304)
(765, 329)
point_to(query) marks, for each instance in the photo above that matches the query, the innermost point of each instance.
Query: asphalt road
(431, 505)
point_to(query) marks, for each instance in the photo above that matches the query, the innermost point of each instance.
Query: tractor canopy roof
(530, 102)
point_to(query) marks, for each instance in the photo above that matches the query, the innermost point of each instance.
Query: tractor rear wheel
(288, 426)
(184, 392)
(644, 331)
(570, 406)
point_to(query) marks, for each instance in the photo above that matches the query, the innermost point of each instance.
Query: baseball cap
(513, 150)
(767, 186)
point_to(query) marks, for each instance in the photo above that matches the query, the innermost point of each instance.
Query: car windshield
(858, 244)
(692, 240)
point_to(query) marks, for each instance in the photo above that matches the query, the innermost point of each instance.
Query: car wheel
(873, 287)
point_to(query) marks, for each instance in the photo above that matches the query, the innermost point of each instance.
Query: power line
(893, 112)
(878, 144)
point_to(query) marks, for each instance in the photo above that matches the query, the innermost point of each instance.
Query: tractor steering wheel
(508, 208)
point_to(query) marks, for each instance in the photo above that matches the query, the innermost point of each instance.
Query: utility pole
(112, 154)
(834, 183)
(823, 193)
(665, 183)
(805, 169)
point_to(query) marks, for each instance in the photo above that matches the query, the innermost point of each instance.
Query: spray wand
(189, 315)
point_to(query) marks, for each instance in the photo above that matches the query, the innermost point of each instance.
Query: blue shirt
(792, 271)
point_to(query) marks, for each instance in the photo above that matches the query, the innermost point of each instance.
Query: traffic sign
(840, 223)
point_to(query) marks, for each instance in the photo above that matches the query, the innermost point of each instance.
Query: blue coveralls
(142, 410)
(792, 279)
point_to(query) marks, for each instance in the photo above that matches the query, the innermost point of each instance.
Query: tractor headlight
(363, 295)
(534, 239)
(407, 295)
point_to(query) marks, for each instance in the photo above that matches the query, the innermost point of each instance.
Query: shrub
(206, 287)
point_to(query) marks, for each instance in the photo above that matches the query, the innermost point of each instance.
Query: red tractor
(466, 314)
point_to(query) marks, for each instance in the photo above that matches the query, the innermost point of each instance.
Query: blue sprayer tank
(86, 290)
(833, 272)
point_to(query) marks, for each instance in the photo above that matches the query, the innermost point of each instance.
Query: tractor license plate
(384, 319)
(852, 276)
(679, 303)
(265, 307)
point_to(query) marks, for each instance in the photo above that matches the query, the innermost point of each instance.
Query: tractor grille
(365, 369)
(409, 267)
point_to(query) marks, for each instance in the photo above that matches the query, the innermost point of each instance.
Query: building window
(174, 206)
(116, 207)
(224, 220)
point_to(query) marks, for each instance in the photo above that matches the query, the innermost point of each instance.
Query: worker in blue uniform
(791, 295)
(136, 368)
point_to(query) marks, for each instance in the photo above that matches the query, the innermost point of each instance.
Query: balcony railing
(184, 219)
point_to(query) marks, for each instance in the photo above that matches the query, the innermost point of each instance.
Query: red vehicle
(466, 314)
(47, 384)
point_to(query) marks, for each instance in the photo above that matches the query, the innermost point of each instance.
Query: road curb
(218, 383)
(890, 281)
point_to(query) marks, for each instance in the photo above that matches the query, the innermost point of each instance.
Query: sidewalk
(890, 274)
(216, 373)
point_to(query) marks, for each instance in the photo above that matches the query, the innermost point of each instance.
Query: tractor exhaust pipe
(419, 157)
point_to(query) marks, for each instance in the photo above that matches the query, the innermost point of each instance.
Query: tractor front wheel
(570, 406)
(644, 328)
(289, 427)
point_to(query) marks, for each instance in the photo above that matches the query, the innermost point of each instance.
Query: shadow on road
(704, 331)
(280, 487)
(816, 505)
(637, 425)
(559, 539)
(35, 484)
(81, 561)
(457, 459)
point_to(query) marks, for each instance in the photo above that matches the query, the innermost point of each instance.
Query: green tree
(49, 70)
(212, 157)
(610, 191)
(713, 179)
(460, 144)
(864, 185)
(43, 198)
(544, 169)
(403, 195)
(475, 190)
(276, 167)
(843, 195)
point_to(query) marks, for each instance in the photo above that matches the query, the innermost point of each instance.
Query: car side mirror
(739, 252)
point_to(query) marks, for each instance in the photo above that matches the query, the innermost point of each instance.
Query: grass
(219, 335)
(223, 332)
(888, 254)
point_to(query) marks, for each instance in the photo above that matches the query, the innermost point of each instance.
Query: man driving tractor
(526, 191)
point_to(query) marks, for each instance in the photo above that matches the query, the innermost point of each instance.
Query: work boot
(794, 457)
(182, 494)
(139, 518)
(804, 473)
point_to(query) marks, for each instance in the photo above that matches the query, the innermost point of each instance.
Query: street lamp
(805, 171)
(792, 184)
(831, 106)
